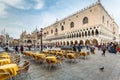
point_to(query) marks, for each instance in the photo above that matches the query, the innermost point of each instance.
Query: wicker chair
(23, 70)
(5, 75)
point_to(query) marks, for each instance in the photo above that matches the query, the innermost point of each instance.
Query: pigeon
(102, 69)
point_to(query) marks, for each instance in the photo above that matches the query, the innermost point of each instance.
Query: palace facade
(91, 25)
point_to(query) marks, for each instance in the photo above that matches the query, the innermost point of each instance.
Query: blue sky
(19, 15)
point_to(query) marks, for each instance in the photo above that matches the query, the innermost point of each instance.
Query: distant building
(6, 40)
(27, 39)
(2, 38)
(91, 25)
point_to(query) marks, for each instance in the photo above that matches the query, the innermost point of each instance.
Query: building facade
(27, 39)
(91, 25)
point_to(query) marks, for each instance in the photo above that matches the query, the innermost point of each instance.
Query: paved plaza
(82, 70)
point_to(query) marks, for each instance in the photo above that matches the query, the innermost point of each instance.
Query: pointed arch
(95, 42)
(71, 42)
(87, 42)
(88, 33)
(85, 33)
(82, 34)
(96, 32)
(76, 42)
(67, 42)
(79, 34)
(81, 42)
(93, 32)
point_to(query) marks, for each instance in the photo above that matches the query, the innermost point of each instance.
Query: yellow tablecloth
(71, 55)
(40, 56)
(83, 53)
(4, 61)
(52, 58)
(70, 51)
(4, 55)
(11, 68)
(28, 53)
(60, 53)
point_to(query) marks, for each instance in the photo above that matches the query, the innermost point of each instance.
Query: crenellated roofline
(82, 10)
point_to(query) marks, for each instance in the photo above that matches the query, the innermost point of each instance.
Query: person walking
(103, 49)
(21, 49)
(79, 47)
(74, 48)
(16, 49)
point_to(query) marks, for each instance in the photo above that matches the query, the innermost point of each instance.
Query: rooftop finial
(99, 1)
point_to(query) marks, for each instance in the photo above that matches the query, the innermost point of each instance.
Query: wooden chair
(5, 75)
(24, 70)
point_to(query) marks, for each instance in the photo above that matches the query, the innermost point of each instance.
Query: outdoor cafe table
(4, 55)
(8, 68)
(72, 55)
(60, 53)
(51, 58)
(40, 56)
(83, 53)
(4, 61)
(28, 53)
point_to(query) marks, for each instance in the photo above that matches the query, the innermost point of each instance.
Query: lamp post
(41, 39)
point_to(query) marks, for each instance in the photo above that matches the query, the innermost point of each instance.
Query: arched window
(72, 24)
(56, 30)
(85, 33)
(29, 41)
(96, 32)
(79, 34)
(51, 31)
(88, 33)
(85, 20)
(82, 34)
(62, 28)
(92, 32)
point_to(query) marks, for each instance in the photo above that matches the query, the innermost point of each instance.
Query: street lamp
(41, 39)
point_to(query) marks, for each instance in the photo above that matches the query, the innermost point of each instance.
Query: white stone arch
(85, 33)
(81, 42)
(64, 43)
(87, 42)
(92, 32)
(75, 42)
(71, 42)
(72, 35)
(95, 42)
(80, 34)
(97, 32)
(77, 34)
(67, 43)
(89, 33)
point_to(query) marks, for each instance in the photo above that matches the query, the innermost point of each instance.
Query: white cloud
(23, 4)
(39, 4)
(15, 3)
(19, 4)
(2, 10)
